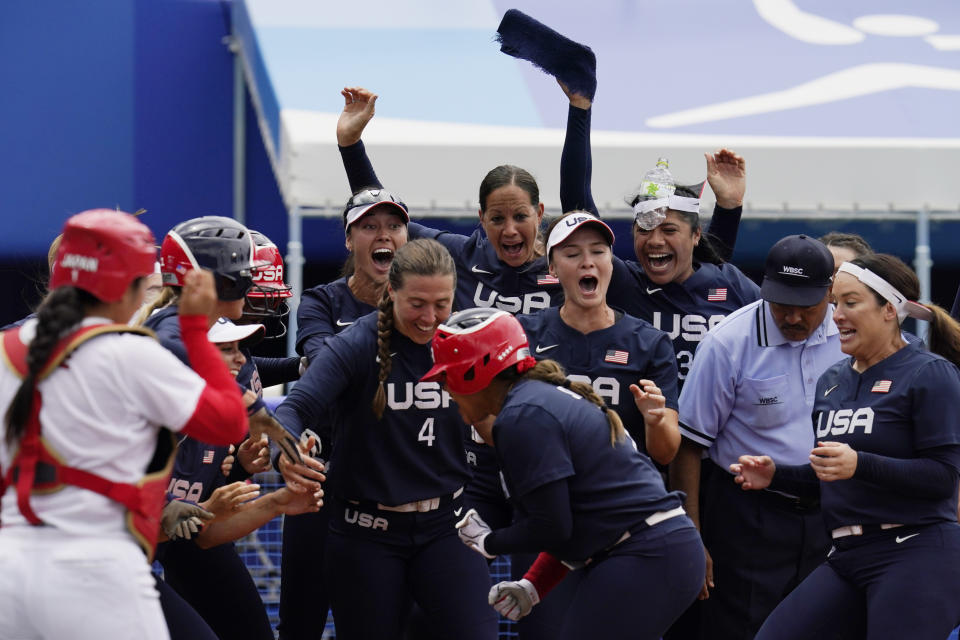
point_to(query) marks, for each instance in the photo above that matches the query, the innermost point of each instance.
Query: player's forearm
(663, 438)
(220, 418)
(549, 521)
(249, 518)
(684, 476)
(923, 477)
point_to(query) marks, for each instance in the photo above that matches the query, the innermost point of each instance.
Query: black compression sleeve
(576, 164)
(277, 370)
(930, 476)
(359, 170)
(796, 479)
(549, 521)
(723, 229)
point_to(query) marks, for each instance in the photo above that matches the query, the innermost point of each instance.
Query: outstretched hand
(650, 401)
(727, 175)
(358, 110)
(753, 472)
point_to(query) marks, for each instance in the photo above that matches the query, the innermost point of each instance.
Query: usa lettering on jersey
(605, 387)
(527, 303)
(691, 327)
(839, 422)
(422, 395)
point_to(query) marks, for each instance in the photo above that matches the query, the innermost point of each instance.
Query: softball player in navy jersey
(213, 581)
(84, 399)
(582, 490)
(625, 360)
(680, 283)
(397, 469)
(500, 265)
(374, 231)
(888, 460)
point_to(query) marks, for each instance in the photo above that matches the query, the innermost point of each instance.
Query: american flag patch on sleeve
(617, 356)
(547, 279)
(717, 295)
(881, 386)
(208, 456)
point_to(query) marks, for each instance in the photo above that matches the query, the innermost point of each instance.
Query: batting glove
(513, 600)
(473, 531)
(182, 520)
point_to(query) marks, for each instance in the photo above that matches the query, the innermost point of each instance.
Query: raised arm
(576, 163)
(358, 109)
(727, 175)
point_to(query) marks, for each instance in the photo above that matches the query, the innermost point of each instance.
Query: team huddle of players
(635, 434)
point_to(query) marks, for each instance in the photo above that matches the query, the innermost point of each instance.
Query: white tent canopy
(843, 112)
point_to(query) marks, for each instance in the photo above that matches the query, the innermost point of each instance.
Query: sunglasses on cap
(363, 201)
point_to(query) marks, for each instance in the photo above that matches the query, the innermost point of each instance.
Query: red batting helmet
(102, 252)
(474, 345)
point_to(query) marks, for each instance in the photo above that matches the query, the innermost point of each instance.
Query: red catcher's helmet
(102, 252)
(474, 345)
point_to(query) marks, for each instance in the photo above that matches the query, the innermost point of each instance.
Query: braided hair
(423, 257)
(60, 311)
(551, 372)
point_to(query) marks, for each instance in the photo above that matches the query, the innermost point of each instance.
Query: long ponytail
(61, 310)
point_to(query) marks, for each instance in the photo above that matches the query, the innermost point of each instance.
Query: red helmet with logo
(102, 252)
(266, 300)
(474, 345)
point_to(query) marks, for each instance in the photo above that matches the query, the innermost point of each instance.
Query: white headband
(678, 203)
(899, 301)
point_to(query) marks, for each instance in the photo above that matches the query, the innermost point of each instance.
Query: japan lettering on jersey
(685, 311)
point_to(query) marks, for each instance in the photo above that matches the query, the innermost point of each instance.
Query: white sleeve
(708, 393)
(163, 389)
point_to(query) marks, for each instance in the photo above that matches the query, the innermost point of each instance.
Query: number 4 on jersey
(426, 433)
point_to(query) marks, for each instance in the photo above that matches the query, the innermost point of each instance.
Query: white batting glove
(513, 600)
(303, 365)
(473, 531)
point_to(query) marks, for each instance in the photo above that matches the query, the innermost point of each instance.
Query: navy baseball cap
(798, 272)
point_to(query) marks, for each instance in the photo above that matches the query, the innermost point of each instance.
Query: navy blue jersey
(546, 433)
(196, 468)
(900, 406)
(686, 310)
(324, 311)
(609, 360)
(414, 452)
(483, 280)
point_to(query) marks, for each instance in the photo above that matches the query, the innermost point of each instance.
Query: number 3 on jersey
(426, 433)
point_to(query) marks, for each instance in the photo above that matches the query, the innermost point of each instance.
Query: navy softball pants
(376, 560)
(897, 583)
(303, 594)
(638, 589)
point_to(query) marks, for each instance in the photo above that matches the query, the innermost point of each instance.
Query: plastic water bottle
(658, 184)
